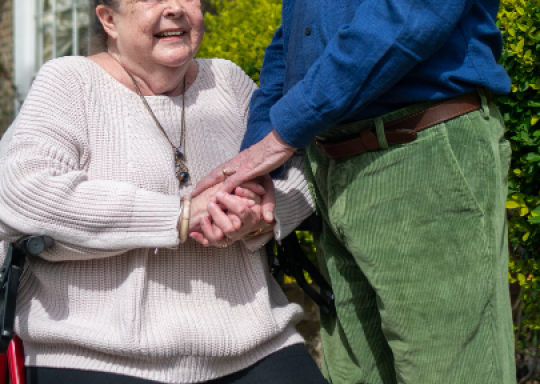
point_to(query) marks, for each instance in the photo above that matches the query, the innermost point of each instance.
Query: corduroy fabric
(414, 245)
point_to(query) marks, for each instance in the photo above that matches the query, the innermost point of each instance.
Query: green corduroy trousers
(414, 244)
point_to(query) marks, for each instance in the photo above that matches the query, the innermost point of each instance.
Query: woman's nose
(174, 8)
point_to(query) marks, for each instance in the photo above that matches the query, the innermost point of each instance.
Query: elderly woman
(103, 157)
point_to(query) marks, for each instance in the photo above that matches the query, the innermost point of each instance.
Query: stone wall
(6, 64)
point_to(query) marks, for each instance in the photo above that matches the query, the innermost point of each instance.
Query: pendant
(179, 155)
(181, 170)
(181, 173)
(183, 176)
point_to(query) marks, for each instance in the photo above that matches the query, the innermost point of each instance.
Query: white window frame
(24, 46)
(28, 42)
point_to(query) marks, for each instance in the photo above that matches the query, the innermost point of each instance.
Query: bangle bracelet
(259, 231)
(184, 219)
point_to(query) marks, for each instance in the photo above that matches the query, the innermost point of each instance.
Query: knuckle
(229, 229)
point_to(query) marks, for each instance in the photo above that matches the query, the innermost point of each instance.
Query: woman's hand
(233, 216)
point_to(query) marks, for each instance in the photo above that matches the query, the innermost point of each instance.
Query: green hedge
(240, 32)
(243, 28)
(519, 21)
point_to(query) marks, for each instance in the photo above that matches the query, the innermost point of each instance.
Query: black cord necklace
(182, 172)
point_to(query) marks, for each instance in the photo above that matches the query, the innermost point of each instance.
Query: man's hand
(257, 160)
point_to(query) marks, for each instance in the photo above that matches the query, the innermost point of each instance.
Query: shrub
(240, 32)
(519, 21)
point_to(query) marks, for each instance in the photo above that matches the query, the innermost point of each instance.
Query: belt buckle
(320, 140)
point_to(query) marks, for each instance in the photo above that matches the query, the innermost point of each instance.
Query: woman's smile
(173, 34)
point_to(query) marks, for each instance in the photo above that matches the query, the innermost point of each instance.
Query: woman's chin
(174, 60)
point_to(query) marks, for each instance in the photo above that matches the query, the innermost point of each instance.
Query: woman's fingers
(212, 233)
(251, 217)
(221, 219)
(199, 238)
(235, 220)
(236, 205)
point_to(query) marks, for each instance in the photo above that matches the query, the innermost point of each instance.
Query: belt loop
(484, 102)
(379, 128)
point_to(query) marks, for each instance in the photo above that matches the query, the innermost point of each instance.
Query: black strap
(292, 260)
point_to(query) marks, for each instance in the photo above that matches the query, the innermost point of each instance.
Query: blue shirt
(335, 61)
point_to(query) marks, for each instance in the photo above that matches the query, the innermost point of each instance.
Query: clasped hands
(219, 218)
(250, 166)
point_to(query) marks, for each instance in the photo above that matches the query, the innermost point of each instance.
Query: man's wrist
(279, 143)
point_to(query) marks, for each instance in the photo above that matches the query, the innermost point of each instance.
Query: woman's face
(163, 32)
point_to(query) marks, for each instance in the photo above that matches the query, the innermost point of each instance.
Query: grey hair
(99, 36)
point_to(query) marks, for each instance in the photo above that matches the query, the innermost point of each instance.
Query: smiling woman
(145, 284)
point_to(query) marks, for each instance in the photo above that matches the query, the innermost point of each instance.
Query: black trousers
(291, 365)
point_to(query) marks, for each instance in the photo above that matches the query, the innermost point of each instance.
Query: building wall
(6, 64)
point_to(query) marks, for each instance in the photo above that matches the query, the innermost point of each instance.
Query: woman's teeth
(170, 33)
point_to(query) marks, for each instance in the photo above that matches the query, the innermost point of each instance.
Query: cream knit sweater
(85, 163)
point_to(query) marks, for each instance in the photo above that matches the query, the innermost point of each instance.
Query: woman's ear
(106, 16)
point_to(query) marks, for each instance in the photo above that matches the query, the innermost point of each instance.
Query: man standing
(391, 100)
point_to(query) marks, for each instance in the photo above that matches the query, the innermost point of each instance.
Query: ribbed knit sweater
(85, 163)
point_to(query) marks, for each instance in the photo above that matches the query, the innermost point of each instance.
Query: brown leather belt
(401, 131)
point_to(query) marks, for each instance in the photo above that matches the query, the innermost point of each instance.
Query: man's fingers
(215, 176)
(254, 187)
(268, 203)
(234, 181)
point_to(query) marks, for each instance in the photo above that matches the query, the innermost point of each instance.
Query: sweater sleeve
(45, 189)
(293, 203)
(293, 199)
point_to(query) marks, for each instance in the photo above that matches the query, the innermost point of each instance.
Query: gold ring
(226, 243)
(259, 231)
(225, 174)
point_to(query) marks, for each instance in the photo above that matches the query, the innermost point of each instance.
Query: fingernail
(220, 195)
(268, 216)
(251, 203)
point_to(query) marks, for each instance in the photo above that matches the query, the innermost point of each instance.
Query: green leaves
(241, 31)
(532, 157)
(519, 21)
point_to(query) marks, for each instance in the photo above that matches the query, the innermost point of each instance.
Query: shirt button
(307, 31)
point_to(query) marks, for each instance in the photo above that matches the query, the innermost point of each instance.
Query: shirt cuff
(294, 120)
